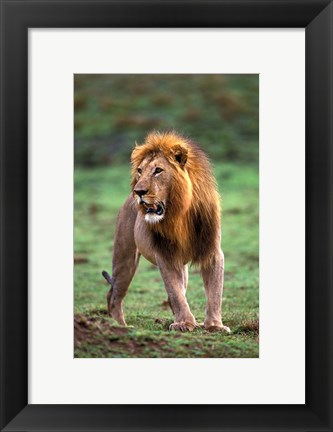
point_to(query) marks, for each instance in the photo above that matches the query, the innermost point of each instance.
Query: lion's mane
(190, 230)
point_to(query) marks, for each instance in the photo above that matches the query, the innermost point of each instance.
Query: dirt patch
(98, 337)
(80, 259)
(89, 329)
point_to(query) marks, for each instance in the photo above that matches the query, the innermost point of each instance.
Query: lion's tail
(107, 277)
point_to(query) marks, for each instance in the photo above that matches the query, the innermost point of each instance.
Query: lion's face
(152, 187)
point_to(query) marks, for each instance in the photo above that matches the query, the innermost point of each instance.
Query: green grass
(99, 194)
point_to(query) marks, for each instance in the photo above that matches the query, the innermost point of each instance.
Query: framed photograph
(166, 107)
(213, 108)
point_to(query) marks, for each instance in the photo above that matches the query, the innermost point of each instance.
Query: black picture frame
(16, 18)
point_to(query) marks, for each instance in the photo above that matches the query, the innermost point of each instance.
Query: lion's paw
(217, 328)
(183, 326)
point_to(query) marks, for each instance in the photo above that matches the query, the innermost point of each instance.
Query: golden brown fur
(192, 219)
(172, 218)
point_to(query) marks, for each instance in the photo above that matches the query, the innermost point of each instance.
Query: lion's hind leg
(124, 262)
(122, 276)
(213, 277)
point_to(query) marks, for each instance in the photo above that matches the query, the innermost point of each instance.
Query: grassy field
(99, 194)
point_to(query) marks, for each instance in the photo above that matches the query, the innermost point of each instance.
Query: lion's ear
(180, 154)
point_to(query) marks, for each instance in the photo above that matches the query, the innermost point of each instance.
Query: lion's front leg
(213, 276)
(174, 281)
(184, 283)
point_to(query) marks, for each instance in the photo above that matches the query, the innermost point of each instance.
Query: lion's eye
(139, 171)
(157, 170)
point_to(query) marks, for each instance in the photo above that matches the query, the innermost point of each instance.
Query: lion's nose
(140, 192)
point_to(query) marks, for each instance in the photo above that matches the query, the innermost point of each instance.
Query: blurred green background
(111, 112)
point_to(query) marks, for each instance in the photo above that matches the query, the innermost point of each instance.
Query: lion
(172, 218)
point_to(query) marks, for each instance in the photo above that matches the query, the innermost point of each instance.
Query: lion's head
(173, 186)
(160, 178)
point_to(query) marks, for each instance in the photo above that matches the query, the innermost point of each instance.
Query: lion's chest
(151, 244)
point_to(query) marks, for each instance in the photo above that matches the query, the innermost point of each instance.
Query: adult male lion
(172, 217)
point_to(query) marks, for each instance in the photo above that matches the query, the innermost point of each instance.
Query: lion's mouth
(153, 208)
